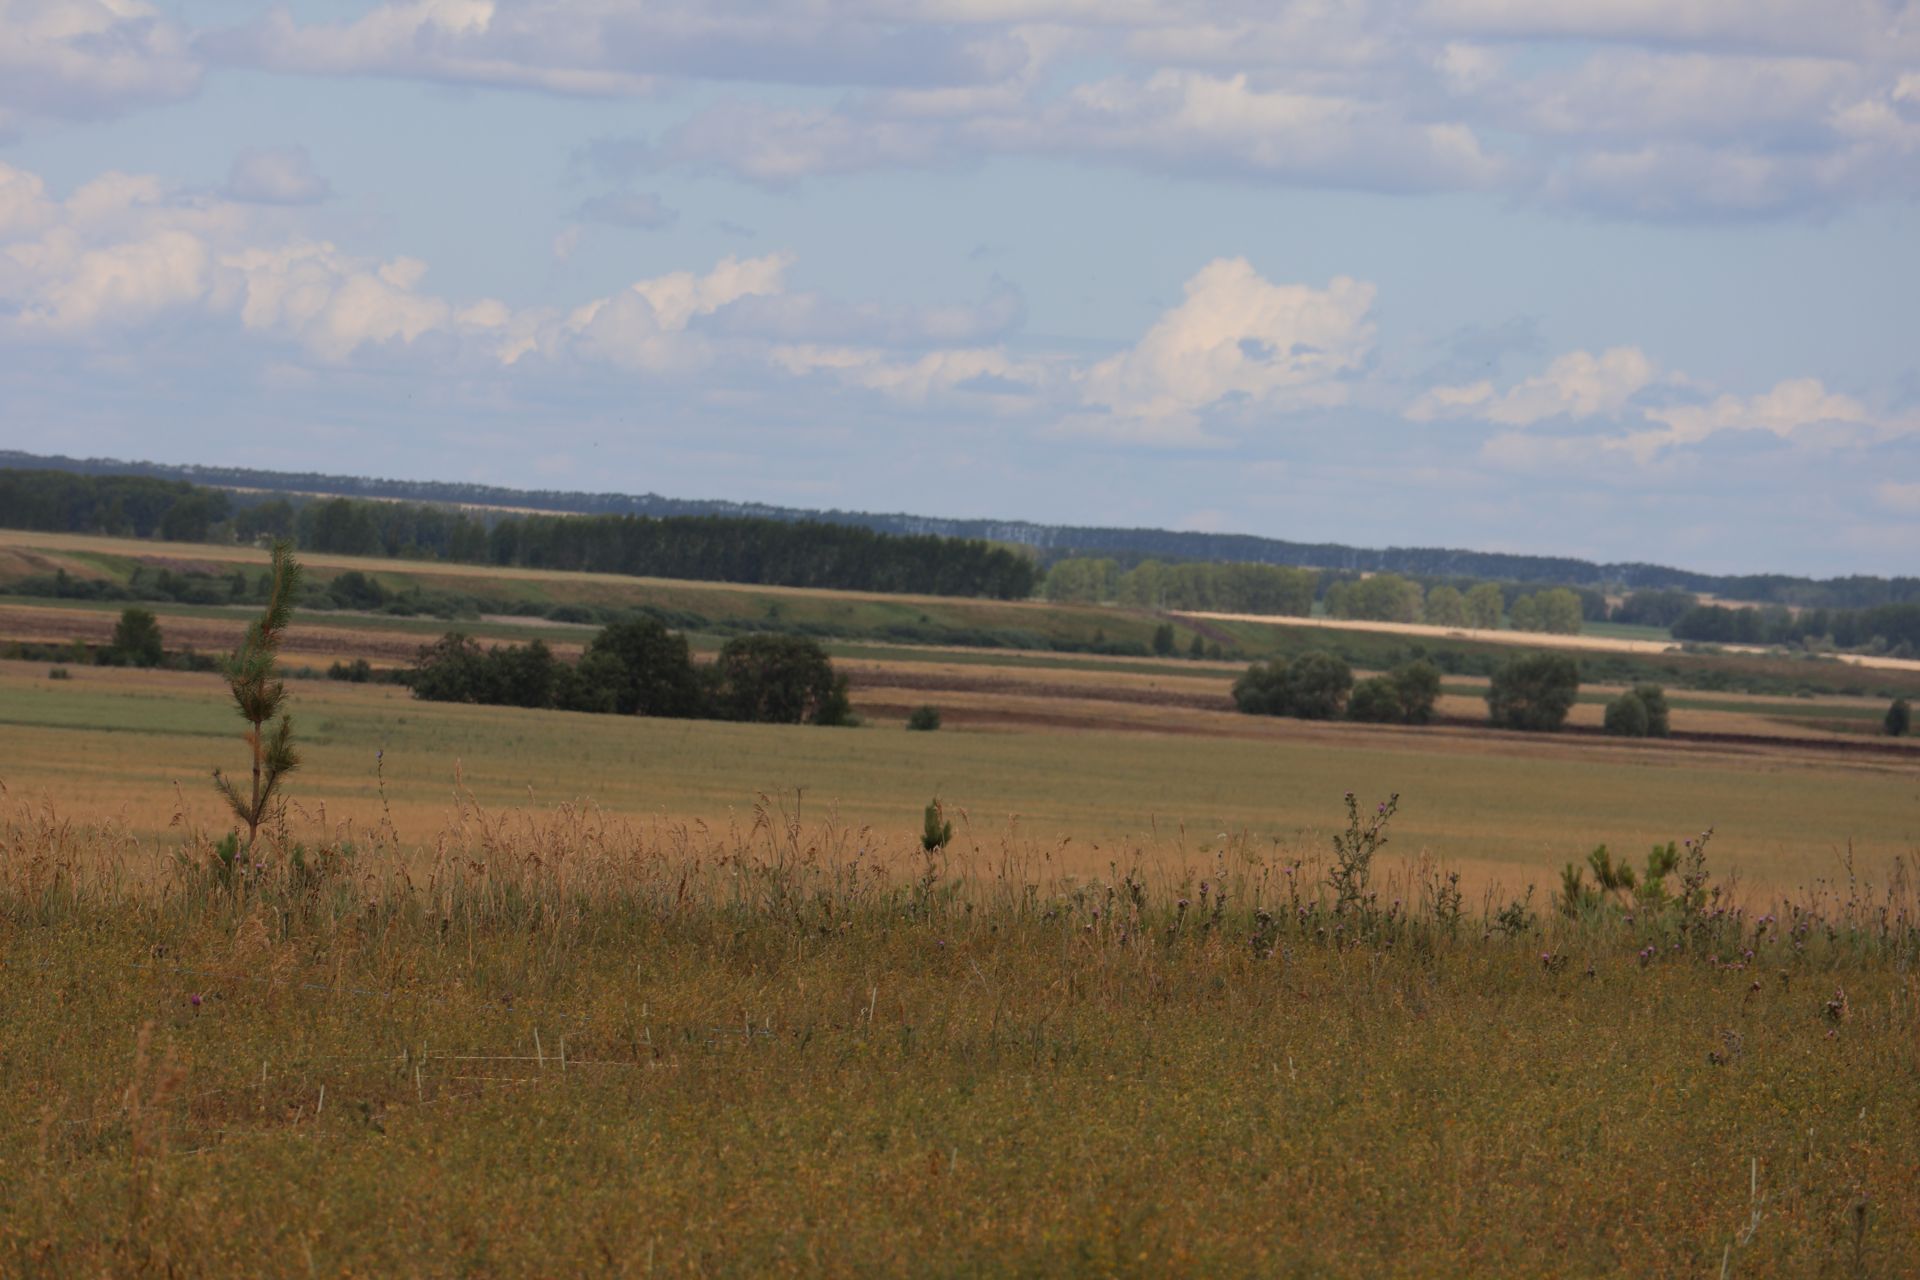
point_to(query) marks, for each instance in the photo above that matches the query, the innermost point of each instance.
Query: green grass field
(131, 744)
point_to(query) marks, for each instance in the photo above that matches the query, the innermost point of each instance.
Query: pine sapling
(258, 693)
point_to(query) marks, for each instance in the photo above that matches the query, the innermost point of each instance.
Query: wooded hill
(1051, 542)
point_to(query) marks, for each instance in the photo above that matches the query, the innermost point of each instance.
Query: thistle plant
(258, 694)
(1354, 848)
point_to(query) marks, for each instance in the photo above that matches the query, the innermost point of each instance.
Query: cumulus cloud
(1641, 109)
(1240, 337)
(984, 373)
(276, 175)
(125, 250)
(1576, 385)
(1790, 407)
(84, 59)
(1612, 390)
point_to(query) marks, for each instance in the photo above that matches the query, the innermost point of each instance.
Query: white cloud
(83, 59)
(988, 373)
(1576, 385)
(276, 175)
(1580, 387)
(1237, 335)
(1898, 496)
(1645, 109)
(1790, 407)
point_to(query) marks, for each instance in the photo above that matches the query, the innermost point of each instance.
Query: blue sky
(1610, 278)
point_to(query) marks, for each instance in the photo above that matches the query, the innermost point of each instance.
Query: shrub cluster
(638, 667)
(1533, 692)
(1640, 712)
(1319, 686)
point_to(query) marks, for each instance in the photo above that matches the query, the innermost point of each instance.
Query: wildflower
(194, 999)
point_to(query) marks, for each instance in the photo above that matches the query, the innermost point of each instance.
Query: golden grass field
(1090, 780)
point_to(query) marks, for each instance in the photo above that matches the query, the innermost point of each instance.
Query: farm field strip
(136, 744)
(326, 638)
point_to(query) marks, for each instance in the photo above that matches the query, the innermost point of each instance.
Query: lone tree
(136, 639)
(1899, 718)
(258, 693)
(1534, 692)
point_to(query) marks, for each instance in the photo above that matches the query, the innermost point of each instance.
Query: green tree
(1533, 692)
(1484, 606)
(1080, 580)
(136, 639)
(253, 678)
(1317, 686)
(924, 719)
(1654, 698)
(1556, 611)
(1198, 649)
(1627, 716)
(1314, 686)
(1446, 607)
(1418, 685)
(1404, 695)
(591, 684)
(1379, 597)
(524, 675)
(1163, 639)
(1262, 689)
(453, 668)
(1375, 701)
(655, 673)
(779, 679)
(1899, 720)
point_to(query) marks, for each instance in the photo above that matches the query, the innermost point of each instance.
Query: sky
(1618, 279)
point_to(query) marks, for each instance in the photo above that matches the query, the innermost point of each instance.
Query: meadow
(1182, 991)
(1164, 782)
(565, 1045)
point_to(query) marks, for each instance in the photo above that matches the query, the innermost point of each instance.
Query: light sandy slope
(1612, 644)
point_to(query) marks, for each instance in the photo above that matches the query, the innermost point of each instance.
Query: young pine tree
(259, 694)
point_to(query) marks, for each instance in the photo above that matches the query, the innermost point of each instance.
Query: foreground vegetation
(559, 1044)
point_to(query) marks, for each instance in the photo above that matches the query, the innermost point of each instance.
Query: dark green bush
(1533, 692)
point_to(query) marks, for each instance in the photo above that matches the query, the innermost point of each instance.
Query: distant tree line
(1218, 588)
(1053, 542)
(711, 548)
(641, 668)
(1892, 628)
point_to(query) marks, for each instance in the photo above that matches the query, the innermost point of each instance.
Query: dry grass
(566, 1044)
